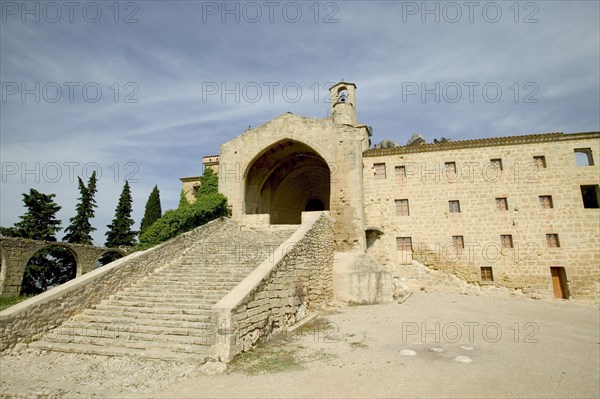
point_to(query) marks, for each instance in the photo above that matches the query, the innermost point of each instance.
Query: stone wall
(339, 145)
(477, 183)
(30, 319)
(280, 292)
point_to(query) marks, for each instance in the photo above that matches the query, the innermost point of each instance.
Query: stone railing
(30, 319)
(296, 279)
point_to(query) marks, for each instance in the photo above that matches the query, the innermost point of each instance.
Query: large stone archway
(286, 179)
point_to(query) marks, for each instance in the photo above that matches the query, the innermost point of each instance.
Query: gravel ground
(432, 345)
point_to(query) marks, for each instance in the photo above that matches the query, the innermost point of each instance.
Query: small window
(552, 240)
(402, 207)
(583, 157)
(458, 242)
(501, 204)
(454, 206)
(539, 161)
(379, 169)
(487, 274)
(496, 163)
(590, 196)
(506, 240)
(450, 168)
(400, 173)
(546, 201)
(404, 243)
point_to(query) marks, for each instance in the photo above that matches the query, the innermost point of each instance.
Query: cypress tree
(153, 211)
(119, 231)
(80, 229)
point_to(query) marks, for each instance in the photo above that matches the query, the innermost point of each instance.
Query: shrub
(185, 218)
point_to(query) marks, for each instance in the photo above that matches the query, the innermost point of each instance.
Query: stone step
(143, 303)
(198, 357)
(134, 340)
(118, 307)
(188, 301)
(168, 313)
(131, 332)
(180, 293)
(151, 322)
(195, 278)
(200, 317)
(182, 284)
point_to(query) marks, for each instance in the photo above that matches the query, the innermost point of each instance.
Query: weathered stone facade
(506, 212)
(293, 164)
(498, 185)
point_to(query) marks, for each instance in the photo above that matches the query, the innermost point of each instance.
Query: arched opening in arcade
(107, 257)
(286, 179)
(50, 266)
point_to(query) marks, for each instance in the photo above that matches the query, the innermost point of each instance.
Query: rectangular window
(496, 163)
(590, 196)
(546, 201)
(539, 161)
(404, 243)
(458, 242)
(506, 240)
(583, 157)
(552, 240)
(454, 206)
(450, 168)
(400, 172)
(402, 207)
(501, 204)
(379, 169)
(487, 274)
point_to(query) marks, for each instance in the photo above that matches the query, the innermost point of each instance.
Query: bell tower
(343, 103)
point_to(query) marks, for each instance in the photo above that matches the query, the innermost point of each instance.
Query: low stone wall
(359, 279)
(278, 293)
(30, 319)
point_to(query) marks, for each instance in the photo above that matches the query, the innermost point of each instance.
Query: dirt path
(433, 345)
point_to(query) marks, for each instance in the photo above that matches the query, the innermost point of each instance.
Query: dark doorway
(314, 205)
(288, 178)
(559, 282)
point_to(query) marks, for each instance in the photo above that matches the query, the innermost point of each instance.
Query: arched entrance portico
(286, 179)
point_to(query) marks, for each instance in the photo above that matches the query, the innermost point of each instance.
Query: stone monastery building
(514, 213)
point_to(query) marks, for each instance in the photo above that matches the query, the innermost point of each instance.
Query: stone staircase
(167, 315)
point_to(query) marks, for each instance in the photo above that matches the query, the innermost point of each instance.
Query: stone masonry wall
(476, 185)
(341, 147)
(30, 319)
(280, 291)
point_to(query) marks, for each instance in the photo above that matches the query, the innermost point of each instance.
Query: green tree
(49, 266)
(153, 211)
(119, 231)
(183, 202)
(80, 229)
(209, 183)
(39, 222)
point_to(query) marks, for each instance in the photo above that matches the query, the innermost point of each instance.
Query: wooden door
(559, 282)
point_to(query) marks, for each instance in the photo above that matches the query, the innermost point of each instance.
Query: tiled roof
(487, 142)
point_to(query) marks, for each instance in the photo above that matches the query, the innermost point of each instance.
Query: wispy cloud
(166, 60)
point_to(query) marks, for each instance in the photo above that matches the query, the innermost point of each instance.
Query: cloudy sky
(141, 90)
